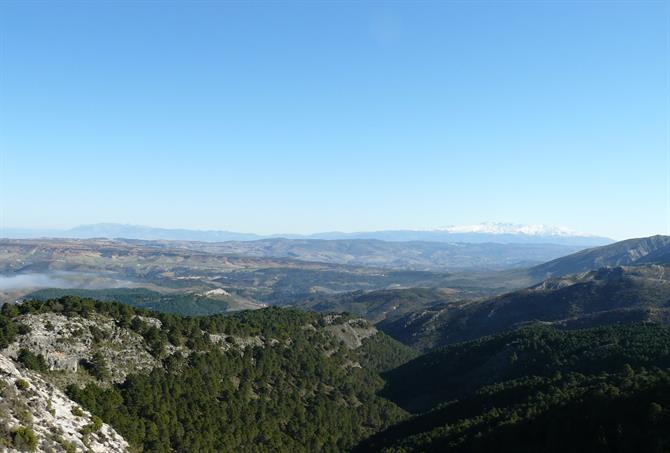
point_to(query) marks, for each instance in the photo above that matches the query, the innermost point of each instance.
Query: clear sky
(316, 116)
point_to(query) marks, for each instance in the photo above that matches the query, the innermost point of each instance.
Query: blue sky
(316, 116)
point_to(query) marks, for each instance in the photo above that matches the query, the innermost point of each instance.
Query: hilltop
(653, 249)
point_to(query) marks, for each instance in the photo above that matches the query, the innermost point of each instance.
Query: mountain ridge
(645, 250)
(591, 298)
(485, 232)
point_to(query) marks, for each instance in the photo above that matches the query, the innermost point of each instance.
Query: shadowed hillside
(536, 389)
(605, 296)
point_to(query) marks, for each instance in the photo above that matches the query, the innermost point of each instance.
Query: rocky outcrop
(351, 332)
(35, 413)
(66, 342)
(229, 341)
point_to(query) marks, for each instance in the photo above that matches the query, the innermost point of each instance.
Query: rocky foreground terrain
(35, 415)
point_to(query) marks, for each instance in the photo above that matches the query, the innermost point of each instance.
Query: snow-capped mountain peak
(512, 228)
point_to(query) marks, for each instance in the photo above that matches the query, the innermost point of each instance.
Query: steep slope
(385, 305)
(35, 415)
(263, 380)
(623, 253)
(658, 256)
(536, 389)
(608, 295)
(450, 372)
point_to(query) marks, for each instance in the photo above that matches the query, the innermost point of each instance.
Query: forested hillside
(536, 389)
(178, 303)
(599, 297)
(386, 304)
(266, 380)
(281, 379)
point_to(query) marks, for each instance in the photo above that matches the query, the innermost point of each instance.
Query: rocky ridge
(36, 415)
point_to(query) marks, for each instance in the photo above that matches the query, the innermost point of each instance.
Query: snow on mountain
(480, 233)
(512, 228)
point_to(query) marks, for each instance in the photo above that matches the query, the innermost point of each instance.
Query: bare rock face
(351, 332)
(66, 342)
(231, 341)
(35, 413)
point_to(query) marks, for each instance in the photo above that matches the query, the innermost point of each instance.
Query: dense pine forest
(537, 389)
(300, 391)
(286, 380)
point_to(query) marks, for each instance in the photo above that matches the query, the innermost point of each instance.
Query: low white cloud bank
(18, 282)
(21, 281)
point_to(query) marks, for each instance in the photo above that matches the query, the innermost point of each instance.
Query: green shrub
(7, 330)
(97, 333)
(96, 423)
(94, 426)
(99, 367)
(23, 415)
(24, 439)
(23, 329)
(69, 447)
(32, 361)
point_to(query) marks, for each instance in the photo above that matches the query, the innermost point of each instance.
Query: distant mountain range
(481, 233)
(116, 230)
